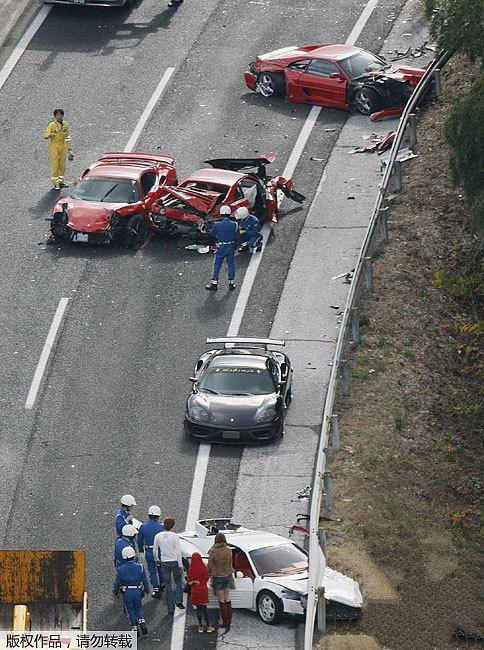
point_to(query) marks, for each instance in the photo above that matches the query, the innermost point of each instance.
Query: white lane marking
(44, 357)
(149, 109)
(22, 45)
(178, 631)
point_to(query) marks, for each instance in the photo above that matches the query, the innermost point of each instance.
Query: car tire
(366, 100)
(269, 607)
(138, 232)
(271, 85)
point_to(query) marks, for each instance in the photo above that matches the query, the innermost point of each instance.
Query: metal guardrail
(329, 430)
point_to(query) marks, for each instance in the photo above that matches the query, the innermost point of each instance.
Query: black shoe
(231, 286)
(157, 594)
(180, 606)
(258, 249)
(213, 286)
(143, 628)
(243, 249)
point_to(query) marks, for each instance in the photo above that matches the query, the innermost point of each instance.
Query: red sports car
(342, 76)
(111, 201)
(193, 206)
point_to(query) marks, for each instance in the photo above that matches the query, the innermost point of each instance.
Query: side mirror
(192, 379)
(239, 574)
(336, 75)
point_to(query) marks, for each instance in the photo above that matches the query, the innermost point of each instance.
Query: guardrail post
(355, 326)
(412, 130)
(345, 387)
(383, 225)
(328, 490)
(368, 271)
(334, 432)
(437, 81)
(322, 541)
(397, 172)
(321, 611)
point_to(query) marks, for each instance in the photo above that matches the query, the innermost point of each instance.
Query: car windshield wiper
(241, 394)
(109, 192)
(208, 390)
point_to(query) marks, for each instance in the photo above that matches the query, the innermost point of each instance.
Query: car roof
(224, 360)
(117, 171)
(222, 176)
(334, 52)
(244, 538)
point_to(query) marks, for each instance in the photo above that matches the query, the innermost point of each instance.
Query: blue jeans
(156, 577)
(132, 602)
(224, 252)
(169, 569)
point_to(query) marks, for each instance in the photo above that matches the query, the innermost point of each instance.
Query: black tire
(271, 84)
(269, 607)
(366, 100)
(138, 232)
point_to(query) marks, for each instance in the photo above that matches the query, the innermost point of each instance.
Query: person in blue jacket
(226, 233)
(146, 536)
(129, 533)
(123, 514)
(131, 580)
(249, 228)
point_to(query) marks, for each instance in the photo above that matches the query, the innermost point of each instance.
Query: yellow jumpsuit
(57, 149)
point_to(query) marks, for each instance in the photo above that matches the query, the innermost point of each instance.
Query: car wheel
(138, 232)
(269, 607)
(366, 100)
(271, 85)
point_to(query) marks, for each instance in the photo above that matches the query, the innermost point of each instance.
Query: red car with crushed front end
(191, 208)
(342, 76)
(111, 201)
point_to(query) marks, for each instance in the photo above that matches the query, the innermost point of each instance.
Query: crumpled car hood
(92, 216)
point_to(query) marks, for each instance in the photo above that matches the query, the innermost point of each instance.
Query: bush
(458, 26)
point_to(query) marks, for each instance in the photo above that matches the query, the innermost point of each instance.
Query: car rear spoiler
(238, 164)
(149, 159)
(231, 341)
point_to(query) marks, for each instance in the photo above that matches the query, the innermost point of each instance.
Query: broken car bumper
(250, 80)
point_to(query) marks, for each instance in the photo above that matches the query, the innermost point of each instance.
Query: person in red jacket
(198, 579)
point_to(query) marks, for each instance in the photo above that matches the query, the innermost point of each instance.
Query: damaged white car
(271, 573)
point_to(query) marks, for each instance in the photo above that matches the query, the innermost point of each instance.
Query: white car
(271, 573)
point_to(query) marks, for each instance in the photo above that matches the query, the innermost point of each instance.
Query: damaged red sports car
(189, 209)
(342, 76)
(112, 199)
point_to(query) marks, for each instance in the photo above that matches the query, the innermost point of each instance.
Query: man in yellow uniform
(59, 136)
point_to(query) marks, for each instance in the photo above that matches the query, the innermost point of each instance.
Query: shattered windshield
(281, 560)
(238, 381)
(361, 63)
(112, 190)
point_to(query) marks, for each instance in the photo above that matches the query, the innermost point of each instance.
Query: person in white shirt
(167, 553)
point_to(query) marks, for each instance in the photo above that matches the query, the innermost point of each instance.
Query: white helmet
(128, 553)
(241, 213)
(128, 530)
(155, 511)
(128, 500)
(225, 209)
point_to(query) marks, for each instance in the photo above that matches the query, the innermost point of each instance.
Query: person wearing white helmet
(131, 581)
(249, 229)
(128, 533)
(226, 233)
(123, 514)
(146, 536)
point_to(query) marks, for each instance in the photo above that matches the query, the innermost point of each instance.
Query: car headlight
(199, 414)
(265, 414)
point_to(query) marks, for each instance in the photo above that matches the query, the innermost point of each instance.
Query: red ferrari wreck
(111, 201)
(341, 76)
(191, 208)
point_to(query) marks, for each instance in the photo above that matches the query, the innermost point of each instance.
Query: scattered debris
(402, 156)
(345, 274)
(330, 130)
(460, 633)
(416, 52)
(334, 306)
(317, 159)
(305, 493)
(350, 197)
(378, 143)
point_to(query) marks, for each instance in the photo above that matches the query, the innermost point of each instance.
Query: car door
(317, 85)
(242, 597)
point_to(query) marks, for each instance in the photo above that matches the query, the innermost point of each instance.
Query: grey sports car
(240, 393)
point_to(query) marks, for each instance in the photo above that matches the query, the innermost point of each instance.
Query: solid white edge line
(149, 109)
(22, 45)
(178, 630)
(44, 357)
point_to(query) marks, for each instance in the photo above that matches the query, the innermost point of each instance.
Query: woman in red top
(198, 579)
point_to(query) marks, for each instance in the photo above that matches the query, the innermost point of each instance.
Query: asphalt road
(108, 419)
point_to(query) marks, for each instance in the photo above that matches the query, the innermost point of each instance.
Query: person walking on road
(127, 540)
(225, 232)
(123, 514)
(59, 136)
(146, 538)
(249, 229)
(198, 577)
(221, 570)
(167, 553)
(132, 582)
